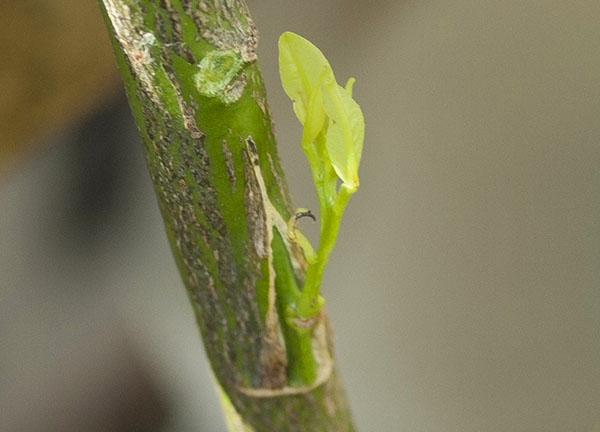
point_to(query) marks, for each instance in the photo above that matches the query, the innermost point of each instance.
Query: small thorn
(303, 214)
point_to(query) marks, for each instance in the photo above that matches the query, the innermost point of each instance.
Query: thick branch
(197, 95)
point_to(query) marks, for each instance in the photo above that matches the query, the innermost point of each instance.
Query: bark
(198, 98)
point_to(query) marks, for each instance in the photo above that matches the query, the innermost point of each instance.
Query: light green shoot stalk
(332, 140)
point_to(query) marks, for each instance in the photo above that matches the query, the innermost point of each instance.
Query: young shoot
(332, 139)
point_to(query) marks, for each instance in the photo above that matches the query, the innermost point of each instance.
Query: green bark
(198, 98)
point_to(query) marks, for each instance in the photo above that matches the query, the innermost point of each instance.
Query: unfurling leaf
(346, 131)
(315, 116)
(301, 66)
(308, 80)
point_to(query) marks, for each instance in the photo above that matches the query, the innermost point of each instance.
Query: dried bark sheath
(210, 149)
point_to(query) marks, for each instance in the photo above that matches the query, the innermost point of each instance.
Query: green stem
(301, 370)
(309, 303)
(318, 174)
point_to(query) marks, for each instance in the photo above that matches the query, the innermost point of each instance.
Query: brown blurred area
(465, 287)
(57, 68)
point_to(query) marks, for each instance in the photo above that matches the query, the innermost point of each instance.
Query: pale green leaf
(346, 131)
(301, 65)
(315, 118)
(338, 154)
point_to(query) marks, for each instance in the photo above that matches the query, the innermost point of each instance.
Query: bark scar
(322, 357)
(273, 219)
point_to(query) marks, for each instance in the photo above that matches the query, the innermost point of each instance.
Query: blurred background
(465, 287)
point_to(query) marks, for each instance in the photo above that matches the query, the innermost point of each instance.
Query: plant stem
(318, 174)
(211, 153)
(308, 304)
(301, 362)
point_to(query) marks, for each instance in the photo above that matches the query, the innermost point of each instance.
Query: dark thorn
(307, 213)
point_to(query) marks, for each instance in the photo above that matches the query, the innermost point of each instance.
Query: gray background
(464, 289)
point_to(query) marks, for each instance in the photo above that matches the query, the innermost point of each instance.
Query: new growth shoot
(332, 140)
